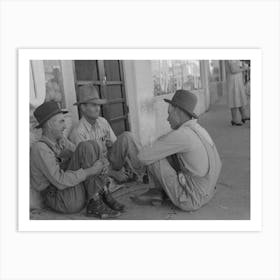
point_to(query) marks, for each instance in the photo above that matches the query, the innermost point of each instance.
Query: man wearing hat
(184, 164)
(120, 151)
(68, 177)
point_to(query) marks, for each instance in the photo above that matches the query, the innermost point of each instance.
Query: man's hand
(106, 165)
(96, 169)
(120, 175)
(108, 144)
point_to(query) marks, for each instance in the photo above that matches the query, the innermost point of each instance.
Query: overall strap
(174, 160)
(50, 146)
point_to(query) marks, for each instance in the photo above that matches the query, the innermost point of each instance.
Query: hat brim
(178, 105)
(93, 101)
(60, 111)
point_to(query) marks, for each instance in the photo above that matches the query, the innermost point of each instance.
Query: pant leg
(243, 112)
(165, 176)
(234, 112)
(67, 201)
(73, 199)
(85, 155)
(125, 147)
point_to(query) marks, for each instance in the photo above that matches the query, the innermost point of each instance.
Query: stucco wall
(138, 83)
(148, 113)
(38, 94)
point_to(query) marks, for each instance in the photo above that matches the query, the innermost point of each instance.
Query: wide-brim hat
(89, 94)
(47, 110)
(185, 100)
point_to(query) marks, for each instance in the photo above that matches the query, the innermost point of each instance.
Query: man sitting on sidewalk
(120, 151)
(68, 178)
(185, 162)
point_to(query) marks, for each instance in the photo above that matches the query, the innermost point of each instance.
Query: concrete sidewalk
(232, 200)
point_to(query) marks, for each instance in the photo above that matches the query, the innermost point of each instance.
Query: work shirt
(185, 143)
(45, 167)
(100, 132)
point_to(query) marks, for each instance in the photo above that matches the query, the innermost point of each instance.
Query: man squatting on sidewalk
(184, 164)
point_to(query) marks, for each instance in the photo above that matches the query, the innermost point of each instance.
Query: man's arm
(48, 165)
(76, 137)
(67, 144)
(166, 145)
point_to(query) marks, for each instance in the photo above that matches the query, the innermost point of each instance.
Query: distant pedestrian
(237, 99)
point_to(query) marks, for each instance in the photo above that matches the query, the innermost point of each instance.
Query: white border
(24, 224)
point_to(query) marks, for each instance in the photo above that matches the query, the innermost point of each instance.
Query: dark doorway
(107, 77)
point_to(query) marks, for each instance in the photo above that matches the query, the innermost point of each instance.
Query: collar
(189, 123)
(55, 146)
(87, 125)
(45, 138)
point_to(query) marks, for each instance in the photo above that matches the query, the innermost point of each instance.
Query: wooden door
(107, 77)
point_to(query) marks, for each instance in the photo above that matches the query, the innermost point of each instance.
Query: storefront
(135, 89)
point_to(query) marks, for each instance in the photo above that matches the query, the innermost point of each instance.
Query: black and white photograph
(140, 139)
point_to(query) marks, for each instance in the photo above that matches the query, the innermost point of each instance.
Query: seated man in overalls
(68, 177)
(184, 163)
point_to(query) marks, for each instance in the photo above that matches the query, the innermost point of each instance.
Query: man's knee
(88, 146)
(156, 167)
(126, 136)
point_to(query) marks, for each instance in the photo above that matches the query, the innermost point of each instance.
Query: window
(54, 81)
(171, 75)
(215, 71)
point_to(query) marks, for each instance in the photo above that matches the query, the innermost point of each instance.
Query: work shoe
(97, 208)
(112, 202)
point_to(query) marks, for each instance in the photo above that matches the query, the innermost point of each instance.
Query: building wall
(147, 113)
(218, 89)
(38, 94)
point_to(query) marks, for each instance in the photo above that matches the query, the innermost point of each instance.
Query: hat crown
(45, 111)
(86, 93)
(185, 100)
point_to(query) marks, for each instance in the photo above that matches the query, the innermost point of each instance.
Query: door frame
(102, 84)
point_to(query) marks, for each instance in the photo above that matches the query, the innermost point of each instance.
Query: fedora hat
(89, 94)
(47, 110)
(185, 100)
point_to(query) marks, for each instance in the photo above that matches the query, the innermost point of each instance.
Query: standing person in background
(237, 99)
